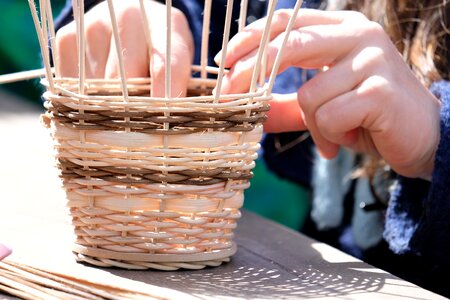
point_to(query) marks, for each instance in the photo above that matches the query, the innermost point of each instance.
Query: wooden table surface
(272, 261)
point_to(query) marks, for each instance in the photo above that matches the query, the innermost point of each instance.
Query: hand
(101, 56)
(366, 99)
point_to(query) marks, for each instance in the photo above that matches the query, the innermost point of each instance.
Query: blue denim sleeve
(418, 217)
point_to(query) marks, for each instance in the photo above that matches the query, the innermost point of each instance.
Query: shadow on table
(274, 262)
(265, 279)
(275, 284)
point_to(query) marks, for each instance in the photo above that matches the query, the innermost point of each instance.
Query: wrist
(422, 138)
(434, 141)
(426, 167)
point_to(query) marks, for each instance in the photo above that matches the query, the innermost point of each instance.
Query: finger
(342, 115)
(249, 39)
(98, 40)
(342, 119)
(251, 35)
(133, 45)
(284, 115)
(311, 47)
(325, 88)
(335, 81)
(325, 148)
(342, 77)
(66, 47)
(238, 78)
(182, 53)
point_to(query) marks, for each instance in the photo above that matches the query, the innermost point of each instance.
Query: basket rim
(152, 257)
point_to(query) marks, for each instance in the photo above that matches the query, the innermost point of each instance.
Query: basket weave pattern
(154, 182)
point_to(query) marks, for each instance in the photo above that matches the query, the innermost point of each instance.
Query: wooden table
(272, 261)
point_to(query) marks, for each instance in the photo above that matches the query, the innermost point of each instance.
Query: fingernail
(4, 251)
(328, 151)
(225, 85)
(218, 57)
(350, 138)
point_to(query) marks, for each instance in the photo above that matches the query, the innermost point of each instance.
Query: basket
(152, 182)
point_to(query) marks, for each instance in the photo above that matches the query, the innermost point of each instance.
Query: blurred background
(19, 47)
(269, 195)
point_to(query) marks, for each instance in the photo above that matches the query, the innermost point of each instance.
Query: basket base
(141, 261)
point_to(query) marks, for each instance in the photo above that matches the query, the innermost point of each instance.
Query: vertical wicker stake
(117, 42)
(51, 27)
(78, 13)
(226, 37)
(243, 15)
(263, 45)
(42, 43)
(262, 73)
(288, 30)
(154, 182)
(148, 37)
(167, 96)
(205, 41)
(44, 25)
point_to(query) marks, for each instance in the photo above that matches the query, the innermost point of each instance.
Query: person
(366, 98)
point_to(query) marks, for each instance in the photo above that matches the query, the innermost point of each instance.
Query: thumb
(284, 115)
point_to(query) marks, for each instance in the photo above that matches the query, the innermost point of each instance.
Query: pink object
(4, 251)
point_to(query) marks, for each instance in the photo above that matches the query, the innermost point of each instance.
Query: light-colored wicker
(152, 200)
(153, 182)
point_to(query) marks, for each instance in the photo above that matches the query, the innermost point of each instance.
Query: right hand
(366, 99)
(101, 55)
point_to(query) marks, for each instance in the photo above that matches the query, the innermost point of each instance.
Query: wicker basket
(153, 182)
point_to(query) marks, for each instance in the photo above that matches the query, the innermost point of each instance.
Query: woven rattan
(153, 182)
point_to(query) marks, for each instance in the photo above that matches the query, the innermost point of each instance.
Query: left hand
(101, 57)
(366, 99)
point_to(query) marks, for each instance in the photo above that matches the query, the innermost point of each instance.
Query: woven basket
(153, 182)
